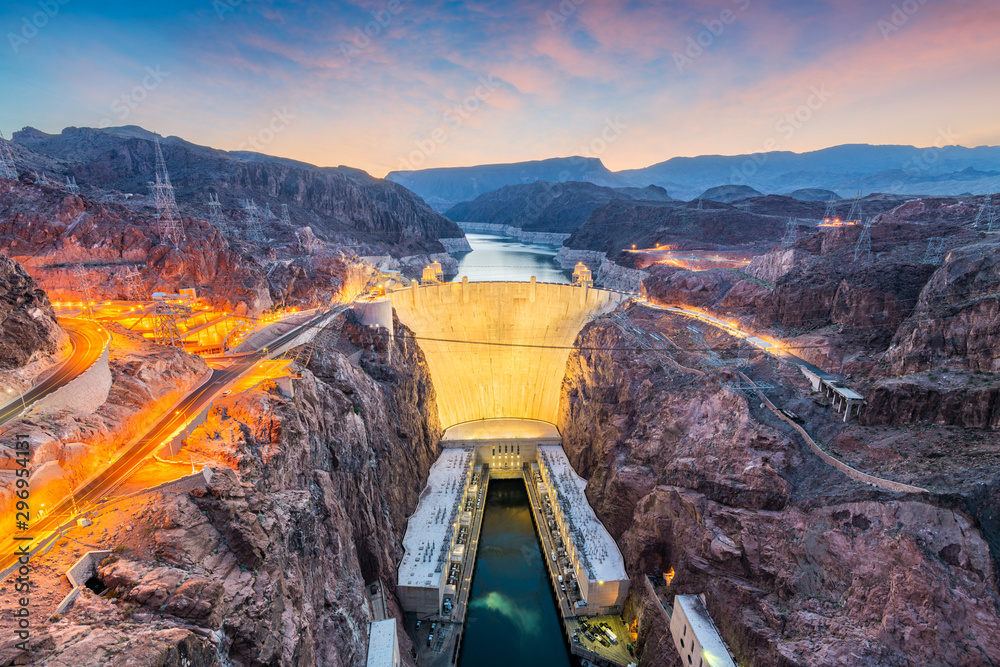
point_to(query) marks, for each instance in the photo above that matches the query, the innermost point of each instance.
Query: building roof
(602, 559)
(847, 393)
(716, 652)
(382, 644)
(429, 530)
(501, 429)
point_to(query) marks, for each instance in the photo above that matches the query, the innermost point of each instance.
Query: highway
(89, 340)
(132, 457)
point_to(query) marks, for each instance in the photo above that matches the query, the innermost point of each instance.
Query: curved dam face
(499, 349)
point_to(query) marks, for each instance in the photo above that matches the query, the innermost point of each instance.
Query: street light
(11, 392)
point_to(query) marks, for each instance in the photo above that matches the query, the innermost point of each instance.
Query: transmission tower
(864, 246)
(791, 233)
(7, 167)
(268, 215)
(165, 318)
(935, 250)
(856, 212)
(215, 214)
(131, 283)
(71, 185)
(85, 287)
(285, 217)
(167, 215)
(831, 211)
(985, 212)
(40, 179)
(254, 231)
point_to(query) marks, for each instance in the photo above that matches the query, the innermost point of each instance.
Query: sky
(383, 85)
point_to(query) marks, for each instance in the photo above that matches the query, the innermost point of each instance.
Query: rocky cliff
(342, 205)
(800, 565)
(28, 325)
(267, 564)
(558, 208)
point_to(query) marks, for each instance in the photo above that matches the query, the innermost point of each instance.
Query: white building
(383, 644)
(695, 636)
(590, 550)
(432, 541)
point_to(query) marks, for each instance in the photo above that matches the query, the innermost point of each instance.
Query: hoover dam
(497, 354)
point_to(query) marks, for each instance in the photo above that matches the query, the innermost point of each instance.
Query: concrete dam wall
(498, 349)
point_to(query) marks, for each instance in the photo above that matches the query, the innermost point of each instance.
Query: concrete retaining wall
(84, 394)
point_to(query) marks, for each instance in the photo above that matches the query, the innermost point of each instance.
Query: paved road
(89, 340)
(134, 455)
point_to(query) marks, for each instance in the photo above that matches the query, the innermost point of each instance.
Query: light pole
(11, 392)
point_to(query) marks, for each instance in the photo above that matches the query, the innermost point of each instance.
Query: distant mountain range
(951, 170)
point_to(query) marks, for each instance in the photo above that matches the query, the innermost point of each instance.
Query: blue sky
(444, 83)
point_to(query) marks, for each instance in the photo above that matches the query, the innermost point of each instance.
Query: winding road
(135, 454)
(89, 340)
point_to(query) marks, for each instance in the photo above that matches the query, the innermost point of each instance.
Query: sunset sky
(449, 83)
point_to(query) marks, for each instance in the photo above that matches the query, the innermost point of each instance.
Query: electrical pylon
(935, 250)
(856, 213)
(831, 211)
(268, 215)
(168, 217)
(40, 178)
(254, 231)
(131, 283)
(985, 212)
(71, 185)
(791, 233)
(864, 246)
(85, 287)
(286, 218)
(7, 167)
(215, 214)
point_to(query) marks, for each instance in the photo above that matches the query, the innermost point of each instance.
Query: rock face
(800, 565)
(728, 194)
(27, 323)
(267, 564)
(957, 316)
(622, 224)
(558, 208)
(342, 205)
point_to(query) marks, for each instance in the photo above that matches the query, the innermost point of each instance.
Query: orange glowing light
(669, 576)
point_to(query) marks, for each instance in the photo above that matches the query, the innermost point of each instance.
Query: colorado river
(501, 258)
(512, 617)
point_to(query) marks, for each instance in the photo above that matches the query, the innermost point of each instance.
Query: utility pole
(215, 214)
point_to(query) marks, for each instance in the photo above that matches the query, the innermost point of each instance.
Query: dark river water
(512, 619)
(501, 258)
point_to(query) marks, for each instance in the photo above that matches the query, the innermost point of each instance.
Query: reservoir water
(502, 258)
(512, 617)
